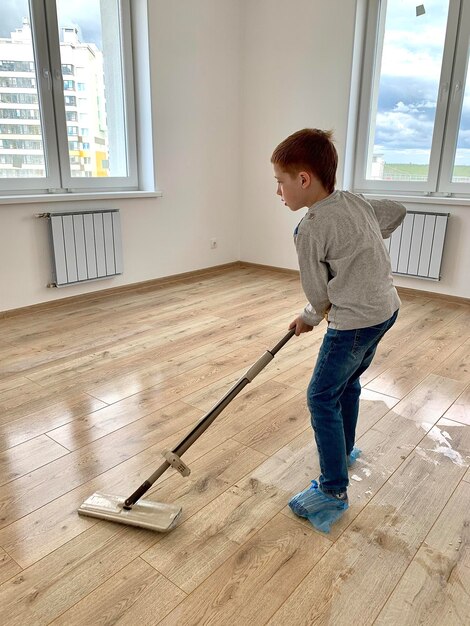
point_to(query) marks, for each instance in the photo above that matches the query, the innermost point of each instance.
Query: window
(39, 57)
(67, 69)
(19, 114)
(19, 129)
(414, 122)
(21, 83)
(19, 98)
(16, 66)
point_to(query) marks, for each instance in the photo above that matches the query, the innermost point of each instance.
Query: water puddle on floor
(443, 446)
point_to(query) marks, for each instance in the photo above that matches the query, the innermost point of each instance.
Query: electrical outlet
(213, 243)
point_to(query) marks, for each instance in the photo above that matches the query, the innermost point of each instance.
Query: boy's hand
(300, 326)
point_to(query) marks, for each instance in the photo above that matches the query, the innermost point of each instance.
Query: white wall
(296, 70)
(195, 64)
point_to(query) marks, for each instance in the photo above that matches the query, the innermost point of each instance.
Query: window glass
(90, 44)
(405, 97)
(461, 169)
(19, 97)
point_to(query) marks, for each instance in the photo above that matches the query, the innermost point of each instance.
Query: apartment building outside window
(61, 62)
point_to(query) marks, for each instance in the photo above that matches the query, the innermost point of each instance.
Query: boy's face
(291, 188)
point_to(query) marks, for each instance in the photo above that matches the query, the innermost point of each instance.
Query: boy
(346, 276)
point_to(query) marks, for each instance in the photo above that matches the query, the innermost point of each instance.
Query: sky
(82, 13)
(409, 84)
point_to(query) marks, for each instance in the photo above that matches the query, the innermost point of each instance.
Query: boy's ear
(305, 179)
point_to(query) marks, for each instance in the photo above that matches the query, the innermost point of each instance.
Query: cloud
(86, 16)
(413, 46)
(401, 107)
(407, 90)
(405, 117)
(397, 130)
(409, 59)
(464, 139)
(13, 13)
(462, 156)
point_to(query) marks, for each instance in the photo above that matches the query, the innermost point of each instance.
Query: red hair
(311, 150)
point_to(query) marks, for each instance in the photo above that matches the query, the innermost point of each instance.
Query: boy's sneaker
(355, 454)
(321, 509)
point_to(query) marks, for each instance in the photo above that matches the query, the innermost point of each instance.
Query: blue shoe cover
(355, 454)
(320, 509)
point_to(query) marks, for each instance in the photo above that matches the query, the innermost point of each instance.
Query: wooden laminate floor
(91, 393)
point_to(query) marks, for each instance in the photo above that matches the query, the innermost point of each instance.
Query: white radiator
(85, 246)
(416, 246)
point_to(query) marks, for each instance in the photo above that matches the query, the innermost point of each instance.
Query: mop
(156, 515)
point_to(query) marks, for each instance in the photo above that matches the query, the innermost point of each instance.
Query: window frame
(448, 108)
(52, 107)
(461, 73)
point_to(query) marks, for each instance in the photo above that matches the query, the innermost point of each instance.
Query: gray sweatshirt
(344, 265)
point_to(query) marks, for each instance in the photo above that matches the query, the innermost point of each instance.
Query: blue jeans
(333, 397)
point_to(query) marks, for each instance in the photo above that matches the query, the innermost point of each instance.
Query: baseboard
(408, 291)
(273, 268)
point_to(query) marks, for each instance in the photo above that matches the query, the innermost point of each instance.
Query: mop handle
(283, 342)
(207, 420)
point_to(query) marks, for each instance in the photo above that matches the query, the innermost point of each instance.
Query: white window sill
(429, 200)
(70, 197)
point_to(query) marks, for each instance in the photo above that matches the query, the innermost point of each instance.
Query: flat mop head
(144, 513)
